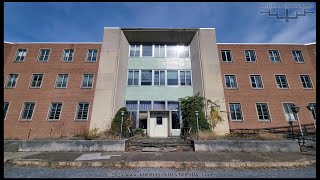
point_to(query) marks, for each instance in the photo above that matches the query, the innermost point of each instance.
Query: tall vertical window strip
(92, 55)
(133, 77)
(82, 111)
(172, 77)
(263, 111)
(5, 109)
(44, 55)
(185, 78)
(306, 81)
(282, 81)
(67, 55)
(256, 81)
(12, 80)
(87, 80)
(62, 80)
(274, 56)
(226, 55)
(146, 77)
(132, 107)
(289, 114)
(135, 50)
(159, 50)
(159, 78)
(235, 111)
(250, 55)
(36, 80)
(147, 50)
(27, 110)
(231, 81)
(20, 55)
(55, 110)
(297, 56)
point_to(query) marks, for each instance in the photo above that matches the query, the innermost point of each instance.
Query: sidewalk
(161, 159)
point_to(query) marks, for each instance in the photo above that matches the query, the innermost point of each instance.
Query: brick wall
(270, 93)
(39, 127)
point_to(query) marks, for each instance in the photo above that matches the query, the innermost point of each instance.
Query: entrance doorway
(158, 124)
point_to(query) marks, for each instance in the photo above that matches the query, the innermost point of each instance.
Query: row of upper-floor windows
(250, 56)
(55, 108)
(67, 55)
(159, 78)
(61, 80)
(256, 81)
(263, 113)
(159, 50)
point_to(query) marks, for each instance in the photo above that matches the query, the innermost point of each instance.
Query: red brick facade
(39, 126)
(270, 93)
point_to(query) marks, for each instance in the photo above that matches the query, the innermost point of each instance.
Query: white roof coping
(310, 43)
(7, 42)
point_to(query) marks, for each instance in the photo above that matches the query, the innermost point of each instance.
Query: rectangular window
(133, 77)
(67, 55)
(231, 81)
(159, 78)
(256, 81)
(27, 110)
(159, 50)
(5, 109)
(132, 105)
(183, 51)
(36, 80)
(12, 80)
(87, 81)
(172, 77)
(55, 110)
(274, 56)
(250, 55)
(92, 55)
(185, 78)
(313, 109)
(146, 77)
(297, 56)
(135, 50)
(44, 55)
(159, 120)
(226, 55)
(143, 119)
(263, 111)
(235, 111)
(173, 106)
(159, 105)
(145, 106)
(20, 55)
(171, 51)
(289, 114)
(82, 111)
(282, 82)
(62, 80)
(146, 50)
(306, 81)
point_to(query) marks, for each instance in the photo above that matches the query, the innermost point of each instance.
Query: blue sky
(84, 22)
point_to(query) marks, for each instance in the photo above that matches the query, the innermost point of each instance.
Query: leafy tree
(116, 121)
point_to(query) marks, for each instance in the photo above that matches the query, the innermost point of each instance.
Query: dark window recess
(159, 120)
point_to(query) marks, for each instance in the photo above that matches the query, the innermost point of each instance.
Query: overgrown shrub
(116, 121)
(140, 132)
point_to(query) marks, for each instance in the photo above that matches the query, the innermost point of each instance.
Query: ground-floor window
(143, 119)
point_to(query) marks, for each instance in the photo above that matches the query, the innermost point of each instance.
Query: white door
(158, 124)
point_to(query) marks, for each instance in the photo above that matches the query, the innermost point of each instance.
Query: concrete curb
(157, 164)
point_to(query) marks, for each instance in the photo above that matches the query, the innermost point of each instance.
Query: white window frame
(275, 77)
(300, 75)
(185, 77)
(224, 51)
(154, 76)
(6, 114)
(24, 55)
(77, 109)
(55, 111)
(274, 55)
(255, 56)
(178, 72)
(158, 45)
(70, 51)
(299, 56)
(238, 120)
(255, 81)
(134, 70)
(23, 108)
(225, 81)
(140, 53)
(151, 77)
(92, 52)
(82, 81)
(62, 81)
(268, 109)
(16, 80)
(31, 81)
(313, 120)
(47, 54)
(290, 111)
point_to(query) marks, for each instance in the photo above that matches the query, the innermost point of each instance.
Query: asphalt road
(34, 172)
